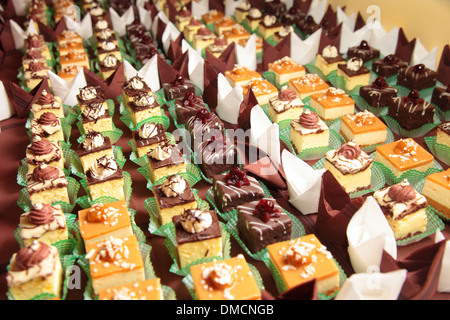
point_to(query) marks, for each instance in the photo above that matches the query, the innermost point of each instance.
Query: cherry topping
(309, 19)
(236, 177)
(380, 83)
(265, 210)
(419, 67)
(189, 99)
(389, 59)
(204, 115)
(364, 45)
(414, 95)
(179, 80)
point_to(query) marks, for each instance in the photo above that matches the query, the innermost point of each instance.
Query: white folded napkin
(373, 286)
(195, 65)
(317, 10)
(170, 33)
(387, 43)
(421, 55)
(149, 72)
(83, 27)
(303, 182)
(246, 56)
(305, 51)
(264, 134)
(368, 234)
(229, 100)
(350, 38)
(6, 109)
(231, 5)
(199, 8)
(444, 275)
(145, 17)
(348, 21)
(21, 7)
(67, 91)
(118, 22)
(161, 15)
(19, 35)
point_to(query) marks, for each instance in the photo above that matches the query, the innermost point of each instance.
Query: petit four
(354, 73)
(188, 106)
(388, 66)
(225, 24)
(307, 26)
(263, 90)
(105, 179)
(108, 65)
(204, 122)
(286, 105)
(308, 131)
(441, 98)
(242, 11)
(285, 31)
(191, 29)
(178, 88)
(165, 159)
(308, 85)
(437, 191)
(90, 94)
(269, 26)
(241, 76)
(182, 18)
(286, 69)
(254, 18)
(94, 146)
(149, 289)
(96, 117)
(212, 16)
(142, 107)
(292, 16)
(203, 38)
(47, 126)
(133, 87)
(108, 47)
(443, 134)
(364, 52)
(47, 185)
(236, 34)
(417, 77)
(47, 102)
(218, 47)
(148, 136)
(44, 151)
(332, 104)
(379, 94)
(364, 128)
(329, 60)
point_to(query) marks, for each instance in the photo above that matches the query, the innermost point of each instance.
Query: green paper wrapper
(126, 118)
(297, 231)
(443, 115)
(311, 67)
(72, 189)
(440, 151)
(227, 216)
(272, 78)
(86, 202)
(281, 286)
(377, 179)
(154, 226)
(171, 245)
(363, 105)
(77, 168)
(419, 132)
(142, 161)
(188, 281)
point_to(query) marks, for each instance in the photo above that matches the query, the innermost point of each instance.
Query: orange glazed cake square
(403, 155)
(229, 279)
(212, 16)
(104, 220)
(143, 290)
(332, 104)
(262, 89)
(225, 24)
(437, 191)
(286, 69)
(115, 261)
(307, 85)
(364, 128)
(241, 76)
(303, 259)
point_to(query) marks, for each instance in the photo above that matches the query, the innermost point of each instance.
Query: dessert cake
(43, 223)
(212, 16)
(332, 104)
(303, 259)
(133, 87)
(104, 220)
(224, 24)
(403, 155)
(364, 128)
(354, 73)
(441, 98)
(269, 26)
(443, 134)
(292, 16)
(275, 7)
(68, 36)
(437, 191)
(182, 18)
(235, 188)
(108, 66)
(242, 11)
(263, 89)
(285, 31)
(236, 34)
(412, 111)
(241, 76)
(188, 106)
(286, 105)
(261, 223)
(96, 117)
(47, 102)
(198, 236)
(389, 66)
(229, 279)
(218, 47)
(165, 159)
(89, 95)
(106, 34)
(254, 18)
(148, 136)
(309, 131)
(94, 146)
(34, 270)
(173, 197)
(142, 107)
(105, 179)
(203, 125)
(329, 60)
(35, 73)
(178, 88)
(364, 52)
(46, 184)
(307, 26)
(68, 73)
(74, 58)
(308, 85)
(32, 55)
(404, 209)
(379, 94)
(108, 47)
(191, 29)
(286, 69)
(36, 42)
(114, 261)
(149, 289)
(203, 38)
(44, 151)
(417, 77)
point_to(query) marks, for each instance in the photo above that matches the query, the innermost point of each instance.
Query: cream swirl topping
(354, 64)
(136, 83)
(174, 186)
(255, 13)
(88, 93)
(101, 24)
(108, 45)
(103, 168)
(148, 130)
(93, 140)
(110, 61)
(330, 52)
(94, 111)
(144, 99)
(161, 152)
(195, 221)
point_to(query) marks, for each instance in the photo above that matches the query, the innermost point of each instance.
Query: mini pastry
(105, 179)
(212, 16)
(269, 26)
(364, 128)
(303, 259)
(351, 166)
(68, 47)
(235, 188)
(286, 105)
(285, 31)
(68, 73)
(354, 73)
(35, 41)
(203, 123)
(198, 236)
(437, 191)
(329, 60)
(263, 90)
(261, 223)
(133, 87)
(218, 47)
(309, 131)
(43, 223)
(411, 111)
(35, 73)
(292, 16)
(93, 147)
(236, 34)
(364, 51)
(332, 104)
(203, 38)
(225, 24)
(76, 58)
(96, 117)
(286, 69)
(388, 66)
(33, 55)
(108, 66)
(188, 106)
(229, 279)
(307, 26)
(114, 261)
(441, 98)
(47, 126)
(379, 94)
(68, 36)
(90, 94)
(241, 76)
(44, 151)
(417, 77)
(148, 137)
(443, 134)
(106, 35)
(149, 289)
(34, 270)
(47, 185)
(276, 8)
(191, 29)
(47, 102)
(254, 18)
(165, 159)
(404, 209)
(173, 197)
(142, 107)
(108, 47)
(403, 155)
(178, 88)
(242, 11)
(104, 220)
(307, 85)
(182, 18)
(217, 154)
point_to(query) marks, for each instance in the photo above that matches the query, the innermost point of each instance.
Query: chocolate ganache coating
(41, 214)
(30, 256)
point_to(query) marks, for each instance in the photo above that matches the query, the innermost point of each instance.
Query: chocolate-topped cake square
(90, 94)
(364, 51)
(441, 98)
(235, 188)
(165, 159)
(148, 136)
(378, 94)
(417, 77)
(204, 122)
(94, 146)
(178, 88)
(105, 179)
(388, 66)
(261, 223)
(188, 106)
(133, 87)
(276, 8)
(354, 73)
(307, 26)
(292, 16)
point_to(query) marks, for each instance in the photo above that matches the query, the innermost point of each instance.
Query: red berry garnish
(419, 67)
(364, 45)
(179, 80)
(236, 177)
(380, 83)
(265, 210)
(204, 115)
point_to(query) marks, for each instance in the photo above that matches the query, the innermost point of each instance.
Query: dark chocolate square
(411, 114)
(388, 66)
(307, 26)
(417, 77)
(169, 202)
(186, 110)
(275, 8)
(364, 52)
(176, 91)
(377, 97)
(160, 136)
(441, 98)
(175, 159)
(198, 127)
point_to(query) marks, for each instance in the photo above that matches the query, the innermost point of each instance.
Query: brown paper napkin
(112, 87)
(246, 107)
(6, 37)
(210, 85)
(405, 48)
(225, 61)
(444, 66)
(423, 266)
(330, 18)
(166, 72)
(359, 22)
(333, 38)
(51, 33)
(336, 208)
(22, 100)
(181, 64)
(175, 48)
(271, 54)
(303, 5)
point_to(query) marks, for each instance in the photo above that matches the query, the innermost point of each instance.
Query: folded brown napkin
(22, 100)
(304, 291)
(444, 66)
(245, 109)
(303, 5)
(330, 17)
(423, 266)
(271, 53)
(359, 22)
(336, 208)
(217, 5)
(6, 38)
(210, 85)
(111, 87)
(332, 38)
(175, 48)
(405, 48)
(49, 33)
(225, 61)
(166, 73)
(181, 64)
(160, 27)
